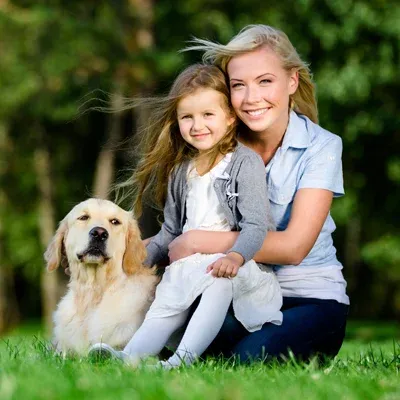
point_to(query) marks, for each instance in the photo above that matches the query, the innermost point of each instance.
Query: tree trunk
(352, 257)
(9, 313)
(105, 165)
(143, 39)
(50, 286)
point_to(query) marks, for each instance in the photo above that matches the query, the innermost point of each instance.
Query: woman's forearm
(278, 247)
(210, 242)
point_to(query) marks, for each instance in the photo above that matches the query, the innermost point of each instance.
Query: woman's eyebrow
(257, 77)
(267, 73)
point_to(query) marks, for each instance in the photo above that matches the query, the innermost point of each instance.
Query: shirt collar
(297, 135)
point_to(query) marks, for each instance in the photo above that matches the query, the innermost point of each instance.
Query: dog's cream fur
(108, 294)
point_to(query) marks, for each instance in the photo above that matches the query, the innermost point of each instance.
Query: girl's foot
(102, 351)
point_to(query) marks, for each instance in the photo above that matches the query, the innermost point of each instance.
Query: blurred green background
(59, 58)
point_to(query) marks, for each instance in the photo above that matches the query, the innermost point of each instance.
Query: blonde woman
(273, 95)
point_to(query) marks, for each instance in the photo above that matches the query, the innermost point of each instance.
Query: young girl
(213, 183)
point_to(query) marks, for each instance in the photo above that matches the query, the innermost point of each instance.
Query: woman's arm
(289, 247)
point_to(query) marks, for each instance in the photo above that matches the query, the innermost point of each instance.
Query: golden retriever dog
(110, 290)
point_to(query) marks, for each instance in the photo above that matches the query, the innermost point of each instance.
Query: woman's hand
(147, 241)
(199, 241)
(226, 267)
(183, 246)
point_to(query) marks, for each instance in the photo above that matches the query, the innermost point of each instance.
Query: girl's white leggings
(203, 327)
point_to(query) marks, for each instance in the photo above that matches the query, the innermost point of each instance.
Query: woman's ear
(293, 81)
(55, 252)
(135, 251)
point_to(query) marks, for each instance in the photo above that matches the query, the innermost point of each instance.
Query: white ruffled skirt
(257, 296)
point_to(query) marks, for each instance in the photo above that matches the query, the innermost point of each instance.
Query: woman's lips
(256, 113)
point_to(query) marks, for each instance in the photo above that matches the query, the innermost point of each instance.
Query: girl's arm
(289, 247)
(157, 246)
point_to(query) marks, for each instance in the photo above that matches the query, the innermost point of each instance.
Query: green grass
(362, 370)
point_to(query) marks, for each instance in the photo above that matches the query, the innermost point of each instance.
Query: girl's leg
(205, 323)
(153, 334)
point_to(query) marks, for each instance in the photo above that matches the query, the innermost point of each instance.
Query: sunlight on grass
(29, 370)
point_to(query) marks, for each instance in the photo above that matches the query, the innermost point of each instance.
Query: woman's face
(260, 90)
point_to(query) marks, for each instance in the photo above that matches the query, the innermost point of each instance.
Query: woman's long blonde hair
(252, 37)
(161, 146)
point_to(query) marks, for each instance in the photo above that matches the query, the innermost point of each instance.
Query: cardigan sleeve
(252, 206)
(157, 249)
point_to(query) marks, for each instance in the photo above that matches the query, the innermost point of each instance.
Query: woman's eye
(236, 85)
(115, 221)
(83, 217)
(185, 117)
(266, 81)
(208, 114)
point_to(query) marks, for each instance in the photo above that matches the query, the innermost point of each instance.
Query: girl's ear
(135, 251)
(55, 252)
(231, 119)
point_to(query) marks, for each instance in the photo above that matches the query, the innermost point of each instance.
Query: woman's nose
(253, 95)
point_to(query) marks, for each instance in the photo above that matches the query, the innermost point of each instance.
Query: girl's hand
(226, 267)
(181, 247)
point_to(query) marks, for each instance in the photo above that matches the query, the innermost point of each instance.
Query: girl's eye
(115, 221)
(83, 217)
(266, 81)
(185, 117)
(208, 114)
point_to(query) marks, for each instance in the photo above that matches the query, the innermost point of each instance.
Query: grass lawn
(367, 367)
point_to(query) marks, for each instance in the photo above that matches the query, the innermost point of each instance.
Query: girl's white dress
(257, 297)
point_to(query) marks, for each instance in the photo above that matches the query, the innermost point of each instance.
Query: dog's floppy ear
(55, 252)
(135, 251)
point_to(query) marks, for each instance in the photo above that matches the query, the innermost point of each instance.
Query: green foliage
(53, 54)
(384, 255)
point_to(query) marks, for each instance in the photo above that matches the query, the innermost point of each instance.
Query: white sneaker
(102, 351)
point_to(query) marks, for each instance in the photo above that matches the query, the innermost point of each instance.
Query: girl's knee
(222, 285)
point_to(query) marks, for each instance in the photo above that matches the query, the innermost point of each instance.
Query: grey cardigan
(242, 193)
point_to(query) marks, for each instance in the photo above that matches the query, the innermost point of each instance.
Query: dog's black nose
(98, 233)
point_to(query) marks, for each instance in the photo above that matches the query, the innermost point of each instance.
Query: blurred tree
(54, 53)
(9, 312)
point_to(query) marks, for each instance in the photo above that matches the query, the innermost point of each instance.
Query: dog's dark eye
(83, 217)
(115, 221)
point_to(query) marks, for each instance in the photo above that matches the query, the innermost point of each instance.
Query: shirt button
(216, 185)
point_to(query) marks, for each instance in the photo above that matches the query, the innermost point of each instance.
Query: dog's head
(94, 233)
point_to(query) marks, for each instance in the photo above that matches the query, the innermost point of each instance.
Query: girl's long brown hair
(161, 146)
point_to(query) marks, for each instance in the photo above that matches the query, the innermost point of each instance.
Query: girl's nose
(198, 124)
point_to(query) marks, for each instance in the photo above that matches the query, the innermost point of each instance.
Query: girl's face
(260, 89)
(203, 118)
